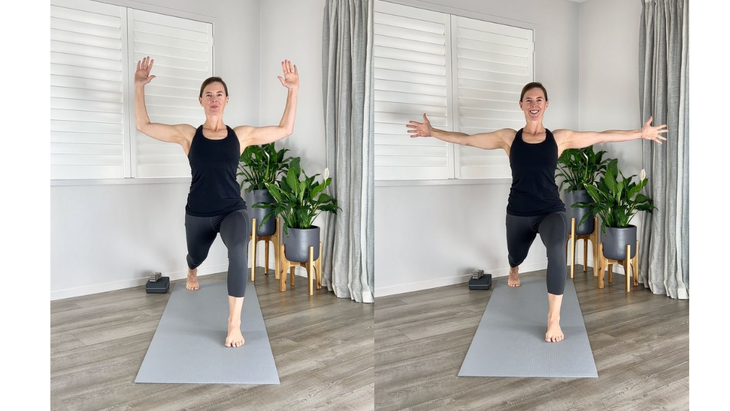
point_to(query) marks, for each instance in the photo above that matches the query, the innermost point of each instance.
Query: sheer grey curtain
(348, 267)
(664, 94)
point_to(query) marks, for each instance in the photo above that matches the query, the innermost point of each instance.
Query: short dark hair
(213, 80)
(530, 86)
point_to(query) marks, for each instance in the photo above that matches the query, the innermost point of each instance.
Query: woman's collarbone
(534, 138)
(215, 135)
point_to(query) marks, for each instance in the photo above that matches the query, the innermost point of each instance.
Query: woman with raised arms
(214, 203)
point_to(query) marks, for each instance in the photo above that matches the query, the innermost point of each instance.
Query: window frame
(451, 37)
(129, 126)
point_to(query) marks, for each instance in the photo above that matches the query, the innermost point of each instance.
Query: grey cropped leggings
(553, 230)
(200, 233)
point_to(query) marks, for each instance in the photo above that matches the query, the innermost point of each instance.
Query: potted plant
(298, 201)
(616, 201)
(259, 166)
(580, 168)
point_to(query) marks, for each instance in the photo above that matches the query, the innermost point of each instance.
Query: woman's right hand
(416, 129)
(142, 75)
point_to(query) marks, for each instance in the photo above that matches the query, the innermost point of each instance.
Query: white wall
(428, 236)
(609, 79)
(293, 30)
(109, 236)
(609, 74)
(106, 237)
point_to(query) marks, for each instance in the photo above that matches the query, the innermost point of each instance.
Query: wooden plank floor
(324, 350)
(322, 345)
(640, 343)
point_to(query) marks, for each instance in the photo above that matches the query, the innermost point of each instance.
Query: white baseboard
(445, 281)
(135, 282)
(379, 292)
(459, 279)
(418, 286)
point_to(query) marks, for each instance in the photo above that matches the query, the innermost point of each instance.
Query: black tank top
(214, 190)
(533, 190)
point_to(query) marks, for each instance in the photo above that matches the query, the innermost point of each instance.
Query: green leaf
(609, 179)
(296, 166)
(280, 155)
(298, 202)
(260, 165)
(594, 193)
(318, 188)
(329, 207)
(275, 192)
(633, 191)
(619, 189)
(292, 180)
(585, 218)
(645, 207)
(302, 189)
(643, 183)
(616, 200)
(268, 216)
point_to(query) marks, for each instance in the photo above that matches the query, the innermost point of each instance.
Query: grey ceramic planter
(579, 196)
(615, 241)
(261, 196)
(297, 243)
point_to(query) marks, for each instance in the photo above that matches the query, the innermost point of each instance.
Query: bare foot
(192, 283)
(235, 338)
(554, 332)
(514, 277)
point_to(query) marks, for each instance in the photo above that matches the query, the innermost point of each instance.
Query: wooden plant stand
(310, 265)
(274, 238)
(592, 237)
(627, 263)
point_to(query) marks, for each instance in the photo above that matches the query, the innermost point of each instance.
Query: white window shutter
(412, 72)
(87, 107)
(492, 62)
(183, 54)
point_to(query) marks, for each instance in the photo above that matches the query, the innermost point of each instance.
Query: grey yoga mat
(188, 344)
(510, 339)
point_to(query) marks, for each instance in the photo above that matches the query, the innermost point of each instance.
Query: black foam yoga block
(483, 283)
(159, 286)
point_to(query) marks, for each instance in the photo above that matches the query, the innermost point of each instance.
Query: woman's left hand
(648, 132)
(291, 75)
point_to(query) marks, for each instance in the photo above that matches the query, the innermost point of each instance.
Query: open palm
(416, 129)
(291, 75)
(142, 75)
(649, 132)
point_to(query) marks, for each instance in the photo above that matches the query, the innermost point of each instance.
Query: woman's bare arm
(489, 141)
(180, 133)
(250, 136)
(567, 139)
